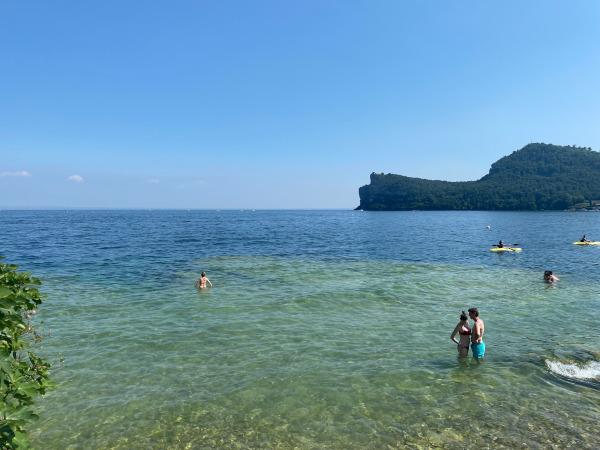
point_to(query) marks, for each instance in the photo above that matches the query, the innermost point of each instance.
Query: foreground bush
(23, 375)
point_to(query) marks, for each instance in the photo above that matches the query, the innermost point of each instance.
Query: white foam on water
(586, 371)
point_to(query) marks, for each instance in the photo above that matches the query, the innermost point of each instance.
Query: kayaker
(583, 239)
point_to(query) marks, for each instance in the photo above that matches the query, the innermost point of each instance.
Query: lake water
(323, 329)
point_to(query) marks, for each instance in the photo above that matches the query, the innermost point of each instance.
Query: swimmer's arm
(454, 334)
(208, 281)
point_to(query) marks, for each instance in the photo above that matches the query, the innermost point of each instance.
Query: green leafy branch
(23, 375)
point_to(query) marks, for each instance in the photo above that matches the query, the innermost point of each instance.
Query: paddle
(496, 245)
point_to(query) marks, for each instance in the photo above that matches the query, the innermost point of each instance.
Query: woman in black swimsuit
(464, 330)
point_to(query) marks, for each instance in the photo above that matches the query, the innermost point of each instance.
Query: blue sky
(280, 104)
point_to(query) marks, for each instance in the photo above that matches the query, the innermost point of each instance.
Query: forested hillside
(536, 177)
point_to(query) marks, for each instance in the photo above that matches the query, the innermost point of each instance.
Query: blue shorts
(478, 350)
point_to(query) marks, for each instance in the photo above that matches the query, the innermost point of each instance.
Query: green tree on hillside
(536, 177)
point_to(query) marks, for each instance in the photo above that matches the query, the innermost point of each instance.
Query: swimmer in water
(464, 330)
(202, 281)
(477, 345)
(549, 277)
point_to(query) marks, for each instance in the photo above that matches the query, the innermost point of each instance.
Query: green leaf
(21, 413)
(4, 291)
(21, 440)
(49, 384)
(6, 303)
(6, 363)
(31, 389)
(35, 281)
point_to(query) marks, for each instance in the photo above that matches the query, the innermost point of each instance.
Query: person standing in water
(477, 345)
(202, 281)
(549, 277)
(464, 330)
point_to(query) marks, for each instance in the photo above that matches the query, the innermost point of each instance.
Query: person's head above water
(463, 317)
(203, 274)
(474, 312)
(548, 276)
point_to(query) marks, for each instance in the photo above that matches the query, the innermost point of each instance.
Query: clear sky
(281, 104)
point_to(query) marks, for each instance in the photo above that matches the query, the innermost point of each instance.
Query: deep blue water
(72, 238)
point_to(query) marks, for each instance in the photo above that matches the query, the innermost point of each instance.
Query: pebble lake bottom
(324, 329)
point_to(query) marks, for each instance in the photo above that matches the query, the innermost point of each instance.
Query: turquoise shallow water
(325, 329)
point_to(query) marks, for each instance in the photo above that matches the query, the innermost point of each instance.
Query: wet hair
(475, 311)
(463, 316)
(203, 274)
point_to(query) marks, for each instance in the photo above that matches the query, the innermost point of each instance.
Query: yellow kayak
(506, 249)
(587, 243)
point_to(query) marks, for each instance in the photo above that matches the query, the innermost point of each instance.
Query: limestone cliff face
(536, 177)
